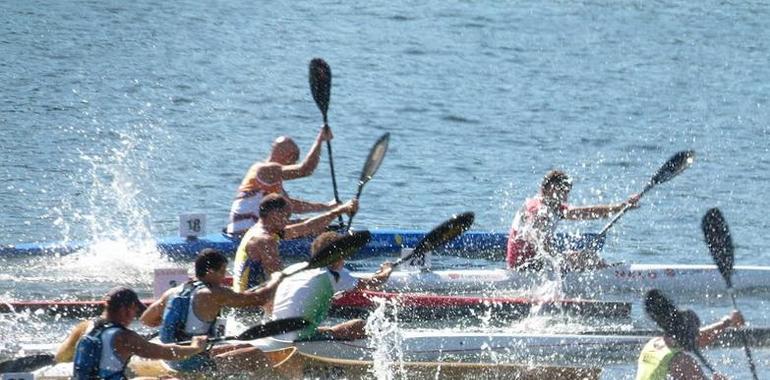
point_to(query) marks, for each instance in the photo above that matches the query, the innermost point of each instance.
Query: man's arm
(66, 351)
(261, 296)
(301, 207)
(317, 224)
(684, 367)
(129, 343)
(308, 165)
(708, 334)
(153, 316)
(377, 280)
(600, 211)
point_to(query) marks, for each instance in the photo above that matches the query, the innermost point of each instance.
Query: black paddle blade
(675, 165)
(660, 309)
(719, 242)
(682, 326)
(320, 77)
(374, 160)
(27, 363)
(278, 327)
(444, 233)
(341, 249)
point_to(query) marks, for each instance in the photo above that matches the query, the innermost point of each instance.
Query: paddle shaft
(401, 260)
(210, 340)
(358, 195)
(622, 211)
(331, 166)
(745, 340)
(703, 360)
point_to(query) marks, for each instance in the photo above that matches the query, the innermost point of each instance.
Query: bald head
(285, 151)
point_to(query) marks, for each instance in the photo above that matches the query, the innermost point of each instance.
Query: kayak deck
(621, 278)
(384, 242)
(410, 306)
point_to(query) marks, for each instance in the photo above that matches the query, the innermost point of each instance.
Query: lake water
(115, 117)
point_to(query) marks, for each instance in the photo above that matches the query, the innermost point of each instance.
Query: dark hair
(556, 178)
(209, 259)
(120, 297)
(272, 202)
(324, 240)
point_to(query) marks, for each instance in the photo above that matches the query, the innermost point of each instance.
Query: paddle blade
(444, 233)
(341, 249)
(675, 165)
(374, 160)
(682, 326)
(27, 363)
(660, 309)
(320, 77)
(719, 242)
(278, 327)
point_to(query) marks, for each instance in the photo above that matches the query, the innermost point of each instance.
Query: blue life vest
(88, 355)
(175, 314)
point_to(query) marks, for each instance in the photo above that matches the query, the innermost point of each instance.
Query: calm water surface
(116, 117)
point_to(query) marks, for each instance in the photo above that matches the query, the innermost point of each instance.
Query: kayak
(479, 348)
(428, 354)
(385, 242)
(138, 367)
(621, 278)
(411, 306)
(419, 306)
(585, 350)
(290, 363)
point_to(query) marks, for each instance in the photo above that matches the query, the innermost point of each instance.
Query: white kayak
(480, 348)
(673, 279)
(589, 349)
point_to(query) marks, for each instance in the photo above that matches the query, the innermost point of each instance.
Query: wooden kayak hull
(289, 363)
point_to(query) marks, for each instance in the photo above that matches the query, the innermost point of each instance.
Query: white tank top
(109, 359)
(196, 325)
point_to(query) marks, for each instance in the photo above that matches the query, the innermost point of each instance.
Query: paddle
(33, 362)
(373, 162)
(271, 328)
(27, 363)
(675, 324)
(439, 236)
(675, 165)
(341, 249)
(281, 326)
(721, 248)
(320, 78)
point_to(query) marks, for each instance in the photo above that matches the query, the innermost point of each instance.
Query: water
(117, 117)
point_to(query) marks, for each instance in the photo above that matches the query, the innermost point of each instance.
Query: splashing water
(386, 341)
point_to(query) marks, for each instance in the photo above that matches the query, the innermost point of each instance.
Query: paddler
(663, 358)
(194, 308)
(257, 254)
(533, 229)
(101, 348)
(267, 177)
(309, 295)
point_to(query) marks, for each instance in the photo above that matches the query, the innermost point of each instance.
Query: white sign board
(167, 278)
(192, 225)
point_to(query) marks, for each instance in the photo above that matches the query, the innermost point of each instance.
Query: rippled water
(115, 117)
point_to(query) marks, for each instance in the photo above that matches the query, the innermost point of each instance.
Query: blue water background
(117, 116)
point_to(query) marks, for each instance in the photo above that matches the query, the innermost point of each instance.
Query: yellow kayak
(289, 363)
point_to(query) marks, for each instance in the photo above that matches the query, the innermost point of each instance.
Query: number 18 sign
(192, 225)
